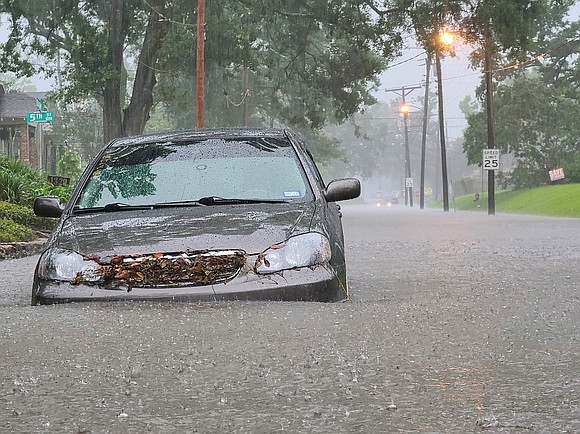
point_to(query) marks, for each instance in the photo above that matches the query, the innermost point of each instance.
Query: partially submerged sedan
(198, 215)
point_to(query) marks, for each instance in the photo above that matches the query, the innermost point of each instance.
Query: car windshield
(155, 173)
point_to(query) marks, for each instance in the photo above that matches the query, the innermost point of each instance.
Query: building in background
(19, 139)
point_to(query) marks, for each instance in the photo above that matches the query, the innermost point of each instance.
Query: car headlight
(65, 265)
(304, 250)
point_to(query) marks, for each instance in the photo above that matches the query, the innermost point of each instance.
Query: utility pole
(424, 136)
(403, 92)
(408, 196)
(200, 65)
(490, 131)
(442, 132)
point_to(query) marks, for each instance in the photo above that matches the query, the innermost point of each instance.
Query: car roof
(201, 133)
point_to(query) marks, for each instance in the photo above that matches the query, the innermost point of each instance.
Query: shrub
(572, 170)
(20, 184)
(13, 187)
(25, 216)
(12, 232)
(69, 164)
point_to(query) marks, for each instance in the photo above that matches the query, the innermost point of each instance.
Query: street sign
(409, 182)
(490, 159)
(40, 117)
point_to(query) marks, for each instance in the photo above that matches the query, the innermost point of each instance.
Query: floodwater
(458, 322)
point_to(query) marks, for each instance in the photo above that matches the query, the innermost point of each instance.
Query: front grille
(194, 268)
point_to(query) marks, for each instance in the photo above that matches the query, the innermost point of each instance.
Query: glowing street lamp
(447, 38)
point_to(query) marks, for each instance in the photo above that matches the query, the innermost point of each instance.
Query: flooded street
(458, 322)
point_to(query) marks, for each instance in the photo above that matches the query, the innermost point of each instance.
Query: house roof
(15, 105)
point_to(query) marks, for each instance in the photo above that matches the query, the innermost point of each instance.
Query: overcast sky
(459, 80)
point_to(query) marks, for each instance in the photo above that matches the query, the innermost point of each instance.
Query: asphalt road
(458, 322)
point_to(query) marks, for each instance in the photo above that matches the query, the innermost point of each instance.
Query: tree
(536, 105)
(90, 39)
(306, 61)
(69, 165)
(301, 64)
(536, 122)
(80, 126)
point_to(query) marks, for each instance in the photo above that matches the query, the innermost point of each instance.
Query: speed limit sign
(490, 159)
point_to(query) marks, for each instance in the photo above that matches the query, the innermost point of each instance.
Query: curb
(21, 249)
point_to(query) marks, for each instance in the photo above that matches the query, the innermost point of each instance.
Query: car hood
(250, 228)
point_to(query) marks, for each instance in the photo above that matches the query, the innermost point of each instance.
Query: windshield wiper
(216, 200)
(111, 207)
(204, 201)
(177, 203)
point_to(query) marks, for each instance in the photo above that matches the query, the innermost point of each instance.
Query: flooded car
(201, 215)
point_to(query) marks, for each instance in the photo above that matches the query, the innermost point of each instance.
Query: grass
(553, 200)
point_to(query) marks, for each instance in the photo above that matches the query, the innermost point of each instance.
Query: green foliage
(306, 63)
(536, 110)
(13, 187)
(572, 170)
(13, 232)
(80, 125)
(25, 216)
(535, 122)
(69, 165)
(20, 184)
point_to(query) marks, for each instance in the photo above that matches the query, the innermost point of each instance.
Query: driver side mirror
(48, 206)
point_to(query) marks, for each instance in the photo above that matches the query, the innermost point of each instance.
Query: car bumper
(307, 284)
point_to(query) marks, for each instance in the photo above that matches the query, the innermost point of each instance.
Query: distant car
(210, 214)
(383, 199)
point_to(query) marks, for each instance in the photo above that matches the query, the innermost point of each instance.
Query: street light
(447, 38)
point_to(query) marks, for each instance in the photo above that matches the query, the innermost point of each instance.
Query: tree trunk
(137, 112)
(112, 125)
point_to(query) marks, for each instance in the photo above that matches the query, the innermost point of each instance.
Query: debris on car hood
(160, 269)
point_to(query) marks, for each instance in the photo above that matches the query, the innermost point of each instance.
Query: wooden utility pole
(408, 190)
(442, 133)
(424, 132)
(490, 131)
(200, 65)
